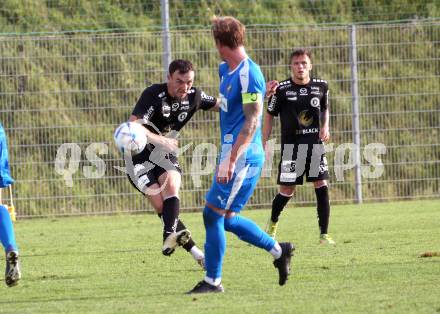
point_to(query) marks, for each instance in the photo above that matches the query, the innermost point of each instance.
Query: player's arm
(324, 117)
(143, 112)
(272, 111)
(166, 143)
(207, 102)
(271, 87)
(267, 128)
(216, 107)
(251, 110)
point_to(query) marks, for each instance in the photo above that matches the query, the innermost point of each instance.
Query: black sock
(323, 208)
(188, 245)
(170, 215)
(278, 204)
(180, 226)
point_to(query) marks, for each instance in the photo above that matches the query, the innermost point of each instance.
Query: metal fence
(74, 89)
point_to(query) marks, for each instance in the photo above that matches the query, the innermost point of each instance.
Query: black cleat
(12, 273)
(204, 287)
(283, 263)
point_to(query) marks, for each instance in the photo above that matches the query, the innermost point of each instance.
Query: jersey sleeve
(324, 102)
(145, 106)
(273, 105)
(204, 101)
(253, 86)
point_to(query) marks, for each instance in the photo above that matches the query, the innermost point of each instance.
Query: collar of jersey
(238, 66)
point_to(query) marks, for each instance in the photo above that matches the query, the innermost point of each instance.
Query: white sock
(197, 253)
(276, 251)
(213, 282)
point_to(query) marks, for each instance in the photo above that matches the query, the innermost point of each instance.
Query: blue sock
(7, 230)
(248, 231)
(215, 244)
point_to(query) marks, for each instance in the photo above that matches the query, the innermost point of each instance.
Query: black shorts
(302, 159)
(144, 173)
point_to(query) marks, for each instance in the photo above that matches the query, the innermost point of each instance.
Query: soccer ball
(130, 137)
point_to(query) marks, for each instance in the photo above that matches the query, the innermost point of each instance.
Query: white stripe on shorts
(241, 175)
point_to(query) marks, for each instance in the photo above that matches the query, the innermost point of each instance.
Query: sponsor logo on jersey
(290, 93)
(182, 116)
(186, 107)
(315, 93)
(147, 116)
(175, 106)
(206, 97)
(161, 95)
(272, 102)
(303, 91)
(305, 118)
(166, 109)
(307, 131)
(314, 88)
(292, 98)
(315, 102)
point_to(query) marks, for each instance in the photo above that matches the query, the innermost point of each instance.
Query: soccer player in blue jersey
(7, 237)
(242, 89)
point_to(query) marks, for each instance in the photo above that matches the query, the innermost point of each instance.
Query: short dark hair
(180, 65)
(301, 52)
(228, 31)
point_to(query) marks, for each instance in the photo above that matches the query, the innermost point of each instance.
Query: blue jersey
(5, 174)
(245, 84)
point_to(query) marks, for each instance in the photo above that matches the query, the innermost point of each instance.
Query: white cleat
(175, 239)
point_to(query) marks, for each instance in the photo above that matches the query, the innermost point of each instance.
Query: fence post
(355, 114)
(166, 42)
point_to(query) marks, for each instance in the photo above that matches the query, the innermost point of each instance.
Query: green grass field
(114, 265)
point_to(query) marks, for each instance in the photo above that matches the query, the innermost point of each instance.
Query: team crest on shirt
(315, 102)
(166, 109)
(305, 118)
(182, 116)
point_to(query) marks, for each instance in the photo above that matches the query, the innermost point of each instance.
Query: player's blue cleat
(204, 287)
(12, 273)
(283, 263)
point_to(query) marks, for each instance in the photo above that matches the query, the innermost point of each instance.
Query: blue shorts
(235, 194)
